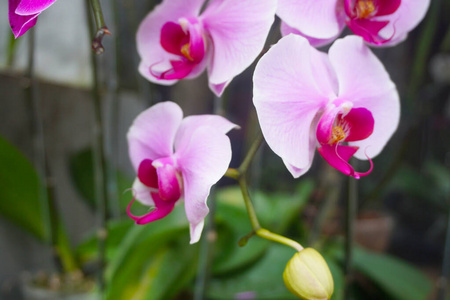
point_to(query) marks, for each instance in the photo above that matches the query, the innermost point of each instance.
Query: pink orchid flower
(379, 22)
(176, 41)
(307, 99)
(177, 158)
(23, 14)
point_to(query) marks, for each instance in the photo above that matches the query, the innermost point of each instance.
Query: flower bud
(307, 276)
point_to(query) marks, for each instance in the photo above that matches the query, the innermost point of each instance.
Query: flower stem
(240, 175)
(349, 234)
(101, 191)
(278, 238)
(251, 153)
(248, 204)
(102, 30)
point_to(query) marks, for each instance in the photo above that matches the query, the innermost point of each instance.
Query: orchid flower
(344, 103)
(176, 41)
(177, 158)
(379, 22)
(23, 14)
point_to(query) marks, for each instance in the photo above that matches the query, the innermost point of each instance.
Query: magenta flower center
(343, 124)
(184, 39)
(162, 177)
(363, 18)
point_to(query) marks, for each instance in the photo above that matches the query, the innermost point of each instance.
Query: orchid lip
(363, 19)
(340, 124)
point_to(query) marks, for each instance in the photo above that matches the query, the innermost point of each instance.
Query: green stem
(278, 238)
(251, 153)
(101, 190)
(349, 234)
(102, 30)
(233, 173)
(248, 204)
(240, 176)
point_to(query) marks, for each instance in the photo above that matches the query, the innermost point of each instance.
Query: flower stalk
(101, 178)
(102, 30)
(240, 175)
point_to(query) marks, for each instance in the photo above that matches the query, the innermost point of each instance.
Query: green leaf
(87, 250)
(264, 280)
(20, 191)
(142, 253)
(397, 278)
(175, 270)
(233, 224)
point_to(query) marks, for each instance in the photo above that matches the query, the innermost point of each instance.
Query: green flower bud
(308, 277)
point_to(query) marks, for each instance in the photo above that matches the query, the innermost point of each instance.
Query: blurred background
(48, 212)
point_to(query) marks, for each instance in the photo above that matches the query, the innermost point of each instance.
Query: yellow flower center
(337, 135)
(364, 8)
(185, 51)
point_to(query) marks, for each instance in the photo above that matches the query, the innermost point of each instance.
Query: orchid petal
(218, 89)
(31, 7)
(168, 183)
(337, 156)
(409, 14)
(147, 174)
(357, 124)
(319, 19)
(238, 30)
(386, 7)
(325, 125)
(287, 97)
(149, 33)
(180, 69)
(143, 193)
(162, 209)
(373, 90)
(173, 37)
(19, 24)
(369, 30)
(191, 123)
(203, 162)
(196, 231)
(361, 124)
(297, 172)
(152, 133)
(157, 68)
(315, 42)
